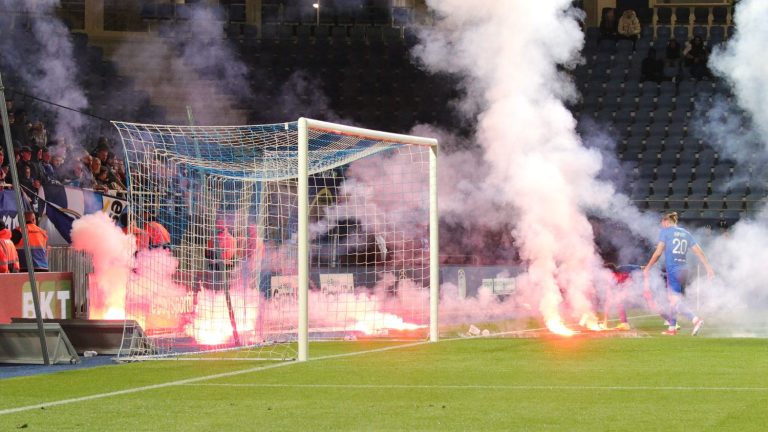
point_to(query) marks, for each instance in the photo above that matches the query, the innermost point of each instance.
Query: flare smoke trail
(46, 63)
(510, 55)
(111, 251)
(196, 68)
(737, 298)
(739, 130)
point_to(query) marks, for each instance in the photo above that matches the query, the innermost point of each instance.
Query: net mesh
(225, 278)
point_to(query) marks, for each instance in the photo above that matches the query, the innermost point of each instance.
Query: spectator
(38, 133)
(140, 236)
(608, 25)
(120, 174)
(221, 248)
(159, 237)
(38, 244)
(87, 180)
(101, 152)
(11, 121)
(5, 176)
(26, 180)
(9, 257)
(696, 57)
(629, 27)
(46, 161)
(36, 163)
(20, 128)
(652, 69)
(220, 253)
(673, 54)
(24, 160)
(73, 177)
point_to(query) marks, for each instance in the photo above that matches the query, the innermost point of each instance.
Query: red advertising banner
(55, 291)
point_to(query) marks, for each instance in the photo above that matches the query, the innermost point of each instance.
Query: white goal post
(305, 125)
(280, 234)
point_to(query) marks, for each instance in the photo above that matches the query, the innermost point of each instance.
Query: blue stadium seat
(701, 16)
(716, 34)
(679, 115)
(663, 33)
(638, 191)
(672, 141)
(720, 15)
(700, 31)
(722, 172)
(638, 130)
(644, 116)
(634, 143)
(657, 202)
(715, 198)
(624, 115)
(681, 33)
(657, 129)
(700, 184)
(710, 214)
(653, 144)
(696, 202)
(679, 187)
(664, 15)
(650, 88)
(668, 156)
(682, 15)
(646, 102)
(691, 144)
(610, 104)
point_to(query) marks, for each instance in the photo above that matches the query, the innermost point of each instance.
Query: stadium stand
(354, 51)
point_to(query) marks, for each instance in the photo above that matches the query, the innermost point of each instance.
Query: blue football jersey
(677, 243)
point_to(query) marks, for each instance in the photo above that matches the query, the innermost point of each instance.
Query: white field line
(487, 387)
(189, 381)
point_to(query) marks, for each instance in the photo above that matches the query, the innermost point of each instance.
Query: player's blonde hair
(671, 217)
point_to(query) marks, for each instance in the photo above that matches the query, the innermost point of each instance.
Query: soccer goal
(280, 234)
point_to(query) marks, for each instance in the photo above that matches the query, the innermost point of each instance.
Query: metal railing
(66, 259)
(690, 5)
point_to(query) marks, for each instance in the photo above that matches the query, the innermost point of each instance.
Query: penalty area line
(190, 381)
(487, 387)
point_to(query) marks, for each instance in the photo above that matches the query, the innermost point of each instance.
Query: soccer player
(674, 243)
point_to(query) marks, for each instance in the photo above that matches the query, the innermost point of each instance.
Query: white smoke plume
(194, 67)
(736, 299)
(511, 56)
(44, 59)
(742, 63)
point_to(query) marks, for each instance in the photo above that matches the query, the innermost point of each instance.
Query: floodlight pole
(23, 226)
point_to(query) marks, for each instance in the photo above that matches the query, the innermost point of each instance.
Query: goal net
(279, 234)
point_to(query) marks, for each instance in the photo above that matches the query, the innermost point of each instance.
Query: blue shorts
(677, 279)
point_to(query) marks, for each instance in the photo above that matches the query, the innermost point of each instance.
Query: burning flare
(556, 326)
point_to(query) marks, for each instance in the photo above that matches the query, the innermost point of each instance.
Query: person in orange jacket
(141, 236)
(159, 237)
(222, 248)
(38, 244)
(9, 258)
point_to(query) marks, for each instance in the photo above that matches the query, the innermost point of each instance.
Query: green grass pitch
(652, 383)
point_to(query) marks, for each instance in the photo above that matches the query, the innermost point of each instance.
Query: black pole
(23, 225)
